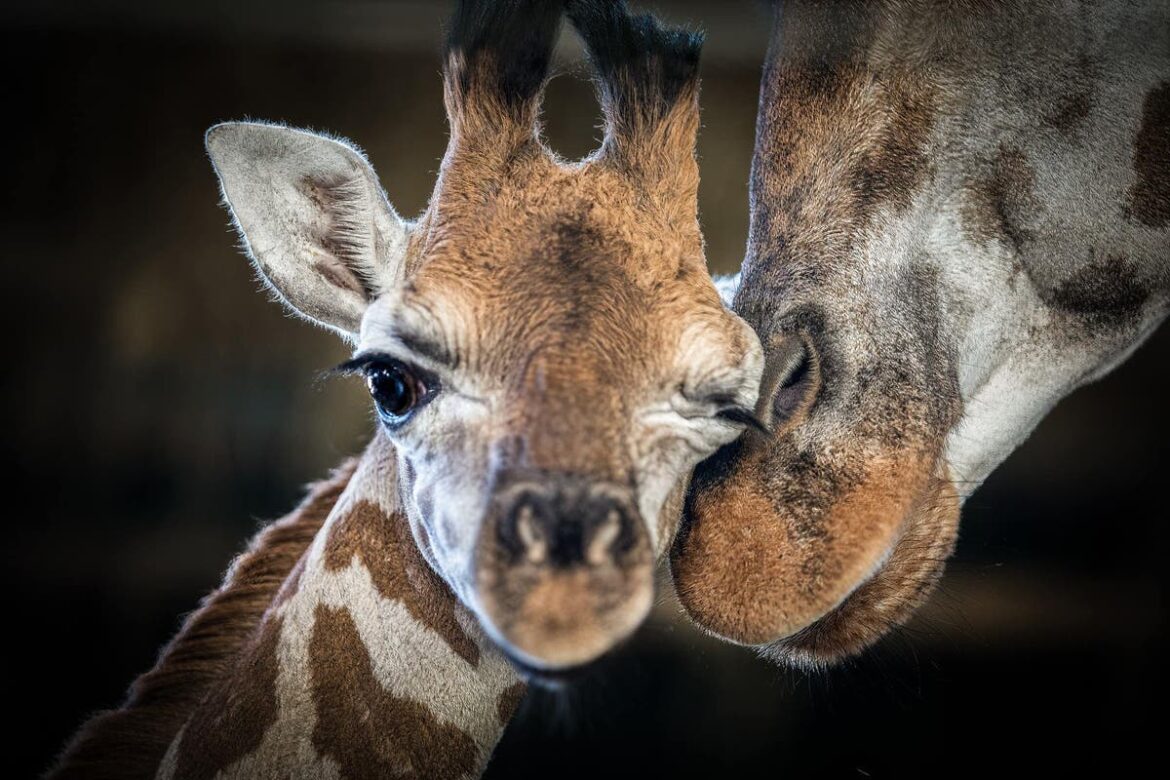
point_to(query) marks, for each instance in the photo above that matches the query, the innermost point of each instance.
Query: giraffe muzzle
(564, 569)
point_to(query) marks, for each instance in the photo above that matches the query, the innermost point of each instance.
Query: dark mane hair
(130, 742)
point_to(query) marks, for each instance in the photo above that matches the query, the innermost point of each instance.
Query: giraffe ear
(312, 217)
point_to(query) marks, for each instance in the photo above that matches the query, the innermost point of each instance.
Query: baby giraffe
(330, 650)
(548, 359)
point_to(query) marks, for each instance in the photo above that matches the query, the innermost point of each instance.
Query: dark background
(156, 406)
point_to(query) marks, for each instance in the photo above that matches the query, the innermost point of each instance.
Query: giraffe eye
(396, 390)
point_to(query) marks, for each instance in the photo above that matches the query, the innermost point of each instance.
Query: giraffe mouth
(888, 597)
(812, 588)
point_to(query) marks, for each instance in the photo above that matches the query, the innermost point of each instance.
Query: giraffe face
(545, 349)
(573, 363)
(816, 538)
(544, 346)
(947, 238)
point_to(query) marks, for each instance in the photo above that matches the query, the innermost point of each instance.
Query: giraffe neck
(361, 662)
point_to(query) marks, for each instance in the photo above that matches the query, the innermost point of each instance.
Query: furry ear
(313, 219)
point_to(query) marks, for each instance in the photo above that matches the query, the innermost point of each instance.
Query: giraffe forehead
(501, 218)
(577, 282)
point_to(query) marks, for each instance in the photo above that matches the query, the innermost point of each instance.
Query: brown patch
(994, 205)
(1068, 113)
(509, 701)
(1150, 196)
(230, 723)
(367, 730)
(1107, 292)
(1071, 111)
(384, 545)
(754, 568)
(897, 163)
(130, 742)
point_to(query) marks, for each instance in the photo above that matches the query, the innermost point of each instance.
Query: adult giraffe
(960, 212)
(548, 358)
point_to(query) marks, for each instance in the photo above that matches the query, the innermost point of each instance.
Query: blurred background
(157, 407)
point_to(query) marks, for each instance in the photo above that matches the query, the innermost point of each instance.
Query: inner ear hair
(345, 204)
(312, 217)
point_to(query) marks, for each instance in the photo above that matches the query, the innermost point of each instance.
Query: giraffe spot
(1071, 111)
(384, 545)
(1108, 292)
(1150, 195)
(509, 701)
(993, 205)
(367, 730)
(897, 163)
(233, 719)
(1067, 112)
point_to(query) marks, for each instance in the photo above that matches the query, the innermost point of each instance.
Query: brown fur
(374, 538)
(889, 596)
(368, 731)
(797, 559)
(1150, 197)
(509, 701)
(996, 203)
(129, 742)
(230, 723)
(1107, 291)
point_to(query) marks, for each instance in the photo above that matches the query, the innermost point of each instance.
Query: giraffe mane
(130, 742)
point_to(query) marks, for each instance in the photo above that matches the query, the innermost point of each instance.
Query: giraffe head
(940, 249)
(812, 540)
(544, 346)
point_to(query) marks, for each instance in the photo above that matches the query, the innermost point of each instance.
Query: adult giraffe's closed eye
(960, 213)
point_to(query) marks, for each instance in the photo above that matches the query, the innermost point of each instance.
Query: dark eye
(395, 389)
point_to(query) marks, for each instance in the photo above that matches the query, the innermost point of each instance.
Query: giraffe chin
(746, 569)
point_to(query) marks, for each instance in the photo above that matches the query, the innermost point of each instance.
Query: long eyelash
(359, 364)
(737, 414)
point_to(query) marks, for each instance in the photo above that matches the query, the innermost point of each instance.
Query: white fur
(409, 659)
(264, 170)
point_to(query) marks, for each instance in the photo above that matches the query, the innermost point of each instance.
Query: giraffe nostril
(523, 529)
(531, 535)
(792, 377)
(565, 527)
(600, 549)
